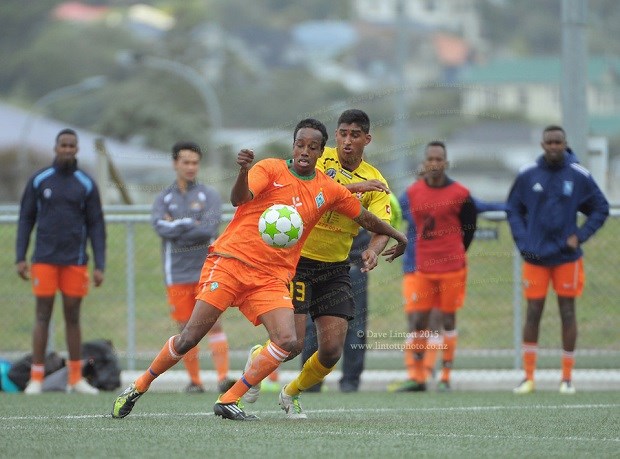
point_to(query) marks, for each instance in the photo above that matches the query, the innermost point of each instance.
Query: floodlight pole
(196, 80)
(575, 74)
(401, 173)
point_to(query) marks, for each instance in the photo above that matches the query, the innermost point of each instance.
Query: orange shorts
(228, 282)
(182, 298)
(425, 291)
(568, 279)
(408, 290)
(70, 280)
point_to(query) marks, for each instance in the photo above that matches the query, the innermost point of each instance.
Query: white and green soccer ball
(280, 226)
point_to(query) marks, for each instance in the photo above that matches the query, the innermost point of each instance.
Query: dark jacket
(542, 210)
(65, 205)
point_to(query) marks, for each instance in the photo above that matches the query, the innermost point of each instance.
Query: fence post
(51, 336)
(516, 305)
(131, 298)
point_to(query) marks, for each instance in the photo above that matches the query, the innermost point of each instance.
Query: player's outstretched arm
(370, 256)
(240, 192)
(372, 223)
(367, 185)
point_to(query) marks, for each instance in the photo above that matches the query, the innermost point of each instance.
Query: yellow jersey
(331, 239)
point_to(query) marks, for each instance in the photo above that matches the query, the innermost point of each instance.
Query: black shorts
(322, 289)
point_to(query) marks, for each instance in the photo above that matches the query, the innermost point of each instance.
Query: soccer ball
(280, 226)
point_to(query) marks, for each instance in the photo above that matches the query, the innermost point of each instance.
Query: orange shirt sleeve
(258, 177)
(346, 204)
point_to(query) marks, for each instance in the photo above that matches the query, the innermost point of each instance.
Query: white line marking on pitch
(338, 410)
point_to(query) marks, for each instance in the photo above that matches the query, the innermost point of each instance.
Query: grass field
(368, 425)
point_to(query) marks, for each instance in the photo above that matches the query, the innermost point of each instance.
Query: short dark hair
(437, 143)
(554, 127)
(185, 145)
(312, 124)
(355, 116)
(66, 131)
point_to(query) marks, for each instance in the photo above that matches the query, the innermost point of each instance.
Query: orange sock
(430, 355)
(273, 376)
(419, 344)
(191, 360)
(218, 344)
(409, 356)
(37, 372)
(449, 341)
(75, 371)
(165, 360)
(262, 365)
(530, 351)
(568, 361)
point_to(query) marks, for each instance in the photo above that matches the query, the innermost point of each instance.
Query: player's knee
(185, 341)
(296, 350)
(449, 322)
(72, 320)
(330, 353)
(329, 359)
(287, 341)
(43, 317)
(533, 317)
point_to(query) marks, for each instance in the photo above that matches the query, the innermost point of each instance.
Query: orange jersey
(271, 181)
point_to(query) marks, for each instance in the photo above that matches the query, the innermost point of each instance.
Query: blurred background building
(483, 75)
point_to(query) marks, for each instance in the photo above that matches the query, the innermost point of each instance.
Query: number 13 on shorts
(297, 290)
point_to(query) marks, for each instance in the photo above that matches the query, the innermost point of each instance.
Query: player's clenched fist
(245, 158)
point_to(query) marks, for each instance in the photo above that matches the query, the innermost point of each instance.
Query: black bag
(20, 371)
(101, 367)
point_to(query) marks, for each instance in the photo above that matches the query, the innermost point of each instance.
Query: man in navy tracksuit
(63, 201)
(542, 211)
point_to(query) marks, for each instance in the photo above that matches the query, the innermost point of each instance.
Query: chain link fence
(130, 307)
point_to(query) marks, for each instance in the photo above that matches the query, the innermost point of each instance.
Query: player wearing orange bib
(444, 216)
(242, 270)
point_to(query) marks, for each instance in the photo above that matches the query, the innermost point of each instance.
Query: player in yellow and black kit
(322, 285)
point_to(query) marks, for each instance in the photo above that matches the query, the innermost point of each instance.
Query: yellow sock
(313, 372)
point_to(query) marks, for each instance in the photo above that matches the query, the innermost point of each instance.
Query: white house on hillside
(531, 87)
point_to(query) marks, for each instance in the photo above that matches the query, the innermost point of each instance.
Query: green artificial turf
(368, 425)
